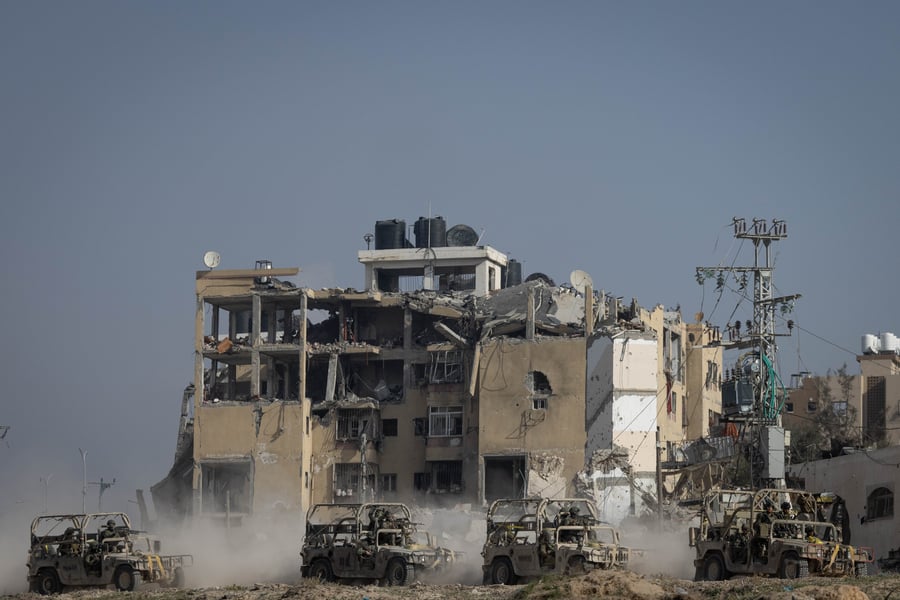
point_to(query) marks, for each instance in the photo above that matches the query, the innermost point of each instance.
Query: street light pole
(83, 479)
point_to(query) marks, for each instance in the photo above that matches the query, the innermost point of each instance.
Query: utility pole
(83, 479)
(659, 485)
(104, 485)
(759, 413)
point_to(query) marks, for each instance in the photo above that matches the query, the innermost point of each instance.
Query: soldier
(108, 532)
(740, 544)
(547, 547)
(365, 552)
(574, 516)
(784, 530)
(811, 536)
(69, 545)
(761, 529)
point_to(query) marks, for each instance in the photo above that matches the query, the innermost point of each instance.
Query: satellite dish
(461, 235)
(580, 280)
(211, 259)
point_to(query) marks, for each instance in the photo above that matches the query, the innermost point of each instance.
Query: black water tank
(390, 234)
(430, 232)
(513, 273)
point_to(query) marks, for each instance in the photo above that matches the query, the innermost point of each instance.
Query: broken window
(446, 367)
(226, 487)
(353, 422)
(880, 504)
(388, 483)
(421, 481)
(811, 405)
(446, 477)
(504, 477)
(789, 407)
(539, 387)
(420, 426)
(672, 354)
(389, 427)
(350, 485)
(444, 421)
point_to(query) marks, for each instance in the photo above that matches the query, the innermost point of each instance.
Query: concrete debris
(547, 466)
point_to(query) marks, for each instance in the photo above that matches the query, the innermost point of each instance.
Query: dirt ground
(598, 584)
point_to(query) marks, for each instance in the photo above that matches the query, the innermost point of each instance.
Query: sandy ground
(598, 584)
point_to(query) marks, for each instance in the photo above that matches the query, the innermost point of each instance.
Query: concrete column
(301, 371)
(198, 400)
(481, 278)
(254, 341)
(529, 317)
(407, 347)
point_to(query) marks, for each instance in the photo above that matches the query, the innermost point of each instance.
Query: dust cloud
(660, 552)
(263, 549)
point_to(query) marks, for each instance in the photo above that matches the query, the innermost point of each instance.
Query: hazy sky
(615, 137)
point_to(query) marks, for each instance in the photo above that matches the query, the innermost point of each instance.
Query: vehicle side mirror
(693, 532)
(157, 546)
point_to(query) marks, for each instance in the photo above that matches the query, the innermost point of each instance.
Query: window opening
(880, 504)
(446, 366)
(444, 421)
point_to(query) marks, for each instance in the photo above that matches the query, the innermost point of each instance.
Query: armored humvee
(530, 537)
(98, 549)
(371, 542)
(740, 532)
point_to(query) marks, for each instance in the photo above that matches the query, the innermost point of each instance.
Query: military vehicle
(531, 537)
(759, 533)
(98, 549)
(370, 542)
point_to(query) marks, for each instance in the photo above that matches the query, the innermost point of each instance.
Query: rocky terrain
(598, 584)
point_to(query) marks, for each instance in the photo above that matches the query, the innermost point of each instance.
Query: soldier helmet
(810, 530)
(110, 523)
(785, 506)
(574, 510)
(70, 530)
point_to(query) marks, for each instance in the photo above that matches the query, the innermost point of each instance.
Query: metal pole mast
(83, 479)
(764, 420)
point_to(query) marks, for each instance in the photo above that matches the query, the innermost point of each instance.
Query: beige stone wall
(224, 433)
(552, 439)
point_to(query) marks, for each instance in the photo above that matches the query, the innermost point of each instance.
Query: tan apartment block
(447, 380)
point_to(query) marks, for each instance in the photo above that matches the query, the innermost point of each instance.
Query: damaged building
(447, 380)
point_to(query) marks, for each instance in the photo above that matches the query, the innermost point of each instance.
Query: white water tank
(870, 344)
(890, 343)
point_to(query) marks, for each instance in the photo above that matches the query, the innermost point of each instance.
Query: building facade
(447, 380)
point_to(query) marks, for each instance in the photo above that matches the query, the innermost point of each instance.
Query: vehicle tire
(178, 577)
(397, 572)
(714, 568)
(793, 567)
(576, 566)
(320, 570)
(48, 582)
(861, 569)
(502, 572)
(124, 578)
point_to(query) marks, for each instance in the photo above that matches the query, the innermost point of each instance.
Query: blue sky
(615, 137)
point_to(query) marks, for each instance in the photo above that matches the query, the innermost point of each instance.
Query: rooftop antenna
(211, 259)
